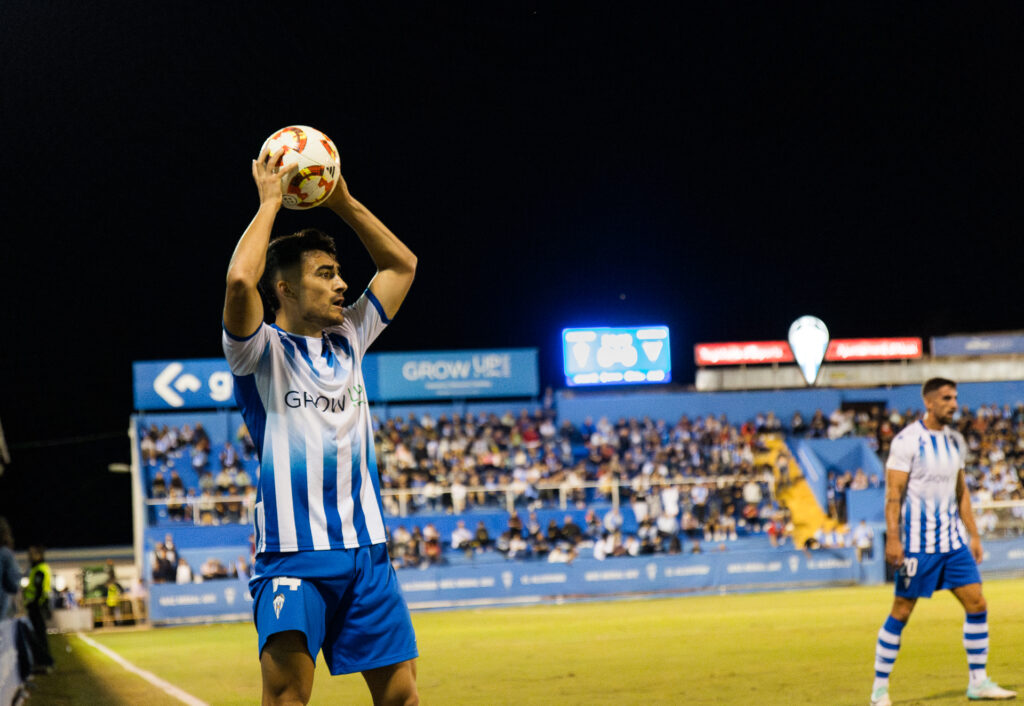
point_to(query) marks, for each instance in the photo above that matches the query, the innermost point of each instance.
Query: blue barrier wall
(867, 505)
(513, 583)
(210, 601)
(818, 456)
(502, 582)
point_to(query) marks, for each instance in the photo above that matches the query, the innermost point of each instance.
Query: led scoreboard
(616, 356)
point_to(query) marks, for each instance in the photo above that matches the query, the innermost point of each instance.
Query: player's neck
(931, 423)
(297, 325)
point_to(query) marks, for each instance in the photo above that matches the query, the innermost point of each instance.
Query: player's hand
(894, 552)
(976, 549)
(340, 197)
(268, 177)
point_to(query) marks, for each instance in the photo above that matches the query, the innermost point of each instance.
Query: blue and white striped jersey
(305, 404)
(931, 518)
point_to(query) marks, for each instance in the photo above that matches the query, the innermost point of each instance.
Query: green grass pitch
(796, 647)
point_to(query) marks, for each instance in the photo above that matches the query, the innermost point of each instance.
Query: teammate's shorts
(923, 574)
(347, 602)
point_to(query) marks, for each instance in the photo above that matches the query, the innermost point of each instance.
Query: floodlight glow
(617, 356)
(808, 339)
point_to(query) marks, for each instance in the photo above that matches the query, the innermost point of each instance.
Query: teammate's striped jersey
(931, 518)
(304, 402)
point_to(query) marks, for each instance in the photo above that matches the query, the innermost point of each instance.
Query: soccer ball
(319, 166)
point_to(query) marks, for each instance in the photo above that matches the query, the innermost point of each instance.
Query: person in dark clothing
(37, 603)
(10, 575)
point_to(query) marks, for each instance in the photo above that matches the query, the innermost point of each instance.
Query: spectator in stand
(571, 532)
(481, 538)
(400, 539)
(206, 482)
(432, 551)
(860, 480)
(863, 540)
(462, 538)
(213, 569)
(613, 520)
(159, 489)
(224, 481)
(818, 426)
(414, 548)
(233, 507)
(553, 534)
(183, 574)
(228, 456)
(163, 570)
(169, 547)
(667, 528)
(176, 503)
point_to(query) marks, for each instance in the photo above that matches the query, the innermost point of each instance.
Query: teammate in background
(322, 578)
(927, 509)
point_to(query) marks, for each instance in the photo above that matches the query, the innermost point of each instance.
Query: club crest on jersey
(278, 605)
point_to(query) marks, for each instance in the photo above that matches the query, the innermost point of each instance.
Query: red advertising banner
(842, 349)
(742, 353)
(839, 350)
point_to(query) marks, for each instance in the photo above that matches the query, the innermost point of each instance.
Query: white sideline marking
(153, 679)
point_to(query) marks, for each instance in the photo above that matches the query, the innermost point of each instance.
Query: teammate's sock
(976, 644)
(886, 650)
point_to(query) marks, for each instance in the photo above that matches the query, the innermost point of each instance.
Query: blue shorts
(346, 601)
(923, 574)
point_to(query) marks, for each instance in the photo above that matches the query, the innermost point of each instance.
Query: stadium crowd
(702, 476)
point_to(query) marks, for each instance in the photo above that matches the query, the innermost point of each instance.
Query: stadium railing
(408, 502)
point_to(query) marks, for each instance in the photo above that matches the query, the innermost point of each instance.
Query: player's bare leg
(971, 597)
(980, 686)
(394, 685)
(902, 608)
(287, 670)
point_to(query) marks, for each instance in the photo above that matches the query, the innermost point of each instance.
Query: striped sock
(976, 644)
(886, 650)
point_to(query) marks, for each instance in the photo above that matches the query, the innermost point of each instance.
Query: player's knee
(285, 694)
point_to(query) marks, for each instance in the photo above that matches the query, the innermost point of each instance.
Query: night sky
(722, 168)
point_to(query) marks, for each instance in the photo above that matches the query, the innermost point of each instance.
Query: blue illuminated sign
(616, 356)
(455, 374)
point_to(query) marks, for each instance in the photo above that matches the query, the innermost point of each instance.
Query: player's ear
(284, 289)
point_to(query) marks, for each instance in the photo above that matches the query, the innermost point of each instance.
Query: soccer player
(927, 509)
(322, 577)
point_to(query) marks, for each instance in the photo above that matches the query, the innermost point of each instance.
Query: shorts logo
(278, 604)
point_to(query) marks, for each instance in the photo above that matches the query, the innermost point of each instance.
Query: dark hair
(285, 252)
(934, 384)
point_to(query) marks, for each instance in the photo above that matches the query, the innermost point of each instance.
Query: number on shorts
(910, 566)
(293, 584)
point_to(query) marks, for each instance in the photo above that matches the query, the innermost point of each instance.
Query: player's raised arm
(895, 492)
(243, 308)
(396, 264)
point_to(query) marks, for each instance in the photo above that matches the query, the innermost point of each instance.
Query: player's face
(322, 290)
(941, 404)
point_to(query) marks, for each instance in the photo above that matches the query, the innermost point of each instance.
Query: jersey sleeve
(901, 453)
(243, 354)
(365, 320)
